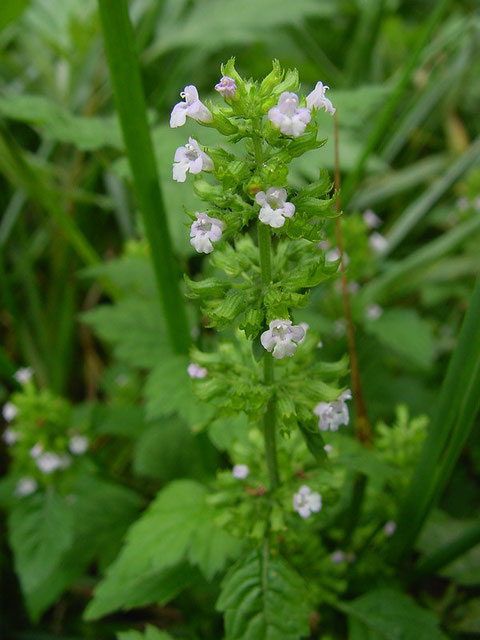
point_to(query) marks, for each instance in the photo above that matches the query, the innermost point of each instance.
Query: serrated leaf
(40, 531)
(263, 598)
(387, 614)
(176, 526)
(133, 327)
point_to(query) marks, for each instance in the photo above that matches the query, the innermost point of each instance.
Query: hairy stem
(269, 422)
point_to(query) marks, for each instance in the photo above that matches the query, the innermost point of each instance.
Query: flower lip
(288, 117)
(190, 158)
(191, 107)
(273, 207)
(281, 338)
(204, 231)
(317, 99)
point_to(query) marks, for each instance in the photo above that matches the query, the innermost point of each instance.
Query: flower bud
(272, 80)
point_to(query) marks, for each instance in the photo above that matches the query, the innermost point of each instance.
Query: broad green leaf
(404, 331)
(55, 123)
(151, 633)
(175, 527)
(169, 449)
(134, 328)
(263, 598)
(10, 10)
(169, 390)
(387, 614)
(127, 421)
(130, 274)
(40, 531)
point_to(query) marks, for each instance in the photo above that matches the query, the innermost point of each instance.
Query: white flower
(9, 411)
(274, 208)
(25, 486)
(190, 158)
(371, 219)
(196, 371)
(328, 448)
(240, 471)
(333, 414)
(192, 107)
(281, 338)
(305, 326)
(316, 99)
(204, 231)
(48, 462)
(226, 87)
(338, 557)
(320, 345)
(378, 243)
(9, 436)
(288, 117)
(305, 502)
(390, 528)
(36, 450)
(78, 444)
(373, 311)
(23, 375)
(333, 255)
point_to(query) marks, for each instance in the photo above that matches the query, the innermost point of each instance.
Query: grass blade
(131, 107)
(386, 115)
(457, 406)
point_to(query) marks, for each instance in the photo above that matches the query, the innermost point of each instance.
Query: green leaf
(315, 443)
(387, 614)
(134, 328)
(10, 10)
(263, 598)
(176, 526)
(169, 449)
(40, 531)
(404, 331)
(169, 390)
(55, 123)
(151, 633)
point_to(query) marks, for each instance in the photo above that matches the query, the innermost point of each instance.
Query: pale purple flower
(371, 219)
(36, 450)
(328, 448)
(204, 231)
(48, 462)
(25, 487)
(291, 119)
(333, 255)
(305, 326)
(9, 412)
(190, 158)
(373, 311)
(338, 557)
(240, 471)
(23, 375)
(317, 99)
(226, 87)
(196, 371)
(78, 444)
(10, 436)
(390, 528)
(274, 208)
(333, 414)
(192, 107)
(306, 502)
(378, 243)
(281, 338)
(320, 345)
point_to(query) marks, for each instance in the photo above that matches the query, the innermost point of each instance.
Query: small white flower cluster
(240, 471)
(306, 502)
(333, 414)
(196, 371)
(281, 339)
(23, 375)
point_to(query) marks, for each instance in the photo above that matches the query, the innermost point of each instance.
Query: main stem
(269, 421)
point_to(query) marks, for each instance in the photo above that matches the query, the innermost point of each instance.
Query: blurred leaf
(169, 390)
(404, 331)
(169, 449)
(176, 526)
(151, 633)
(386, 614)
(127, 421)
(216, 23)
(263, 598)
(40, 531)
(87, 134)
(133, 327)
(10, 10)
